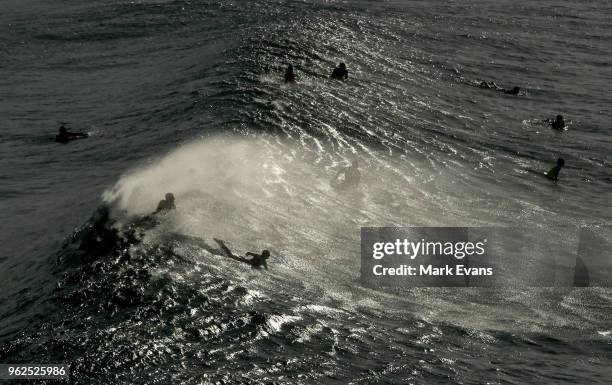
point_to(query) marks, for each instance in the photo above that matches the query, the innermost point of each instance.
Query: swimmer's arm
(265, 264)
(251, 254)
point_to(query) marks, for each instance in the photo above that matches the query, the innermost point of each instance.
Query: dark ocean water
(187, 96)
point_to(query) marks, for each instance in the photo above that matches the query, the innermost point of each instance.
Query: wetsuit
(340, 73)
(289, 77)
(256, 262)
(558, 124)
(164, 206)
(553, 174)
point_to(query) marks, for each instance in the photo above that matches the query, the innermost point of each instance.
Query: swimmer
(166, 205)
(64, 136)
(256, 262)
(553, 174)
(351, 176)
(557, 124)
(340, 72)
(289, 75)
(493, 86)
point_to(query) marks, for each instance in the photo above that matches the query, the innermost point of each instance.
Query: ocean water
(187, 97)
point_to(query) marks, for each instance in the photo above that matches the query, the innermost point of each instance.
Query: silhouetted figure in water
(165, 205)
(348, 176)
(256, 262)
(513, 91)
(340, 72)
(100, 235)
(493, 86)
(290, 75)
(557, 124)
(64, 136)
(553, 174)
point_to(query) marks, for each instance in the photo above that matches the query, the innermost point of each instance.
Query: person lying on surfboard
(493, 86)
(557, 124)
(64, 136)
(256, 262)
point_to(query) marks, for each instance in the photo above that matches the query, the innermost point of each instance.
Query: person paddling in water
(340, 72)
(256, 262)
(493, 86)
(64, 136)
(553, 174)
(166, 205)
(556, 124)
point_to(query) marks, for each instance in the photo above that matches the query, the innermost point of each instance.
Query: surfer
(256, 262)
(348, 176)
(493, 86)
(553, 174)
(166, 205)
(64, 136)
(340, 72)
(557, 124)
(290, 75)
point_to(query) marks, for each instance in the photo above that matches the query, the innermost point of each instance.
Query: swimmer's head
(516, 89)
(62, 130)
(559, 118)
(342, 65)
(265, 254)
(170, 197)
(560, 162)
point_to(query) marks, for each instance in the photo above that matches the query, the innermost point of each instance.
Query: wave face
(187, 97)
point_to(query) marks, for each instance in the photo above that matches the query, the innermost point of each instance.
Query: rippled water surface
(187, 96)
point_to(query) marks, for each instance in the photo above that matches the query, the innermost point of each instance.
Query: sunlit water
(188, 97)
